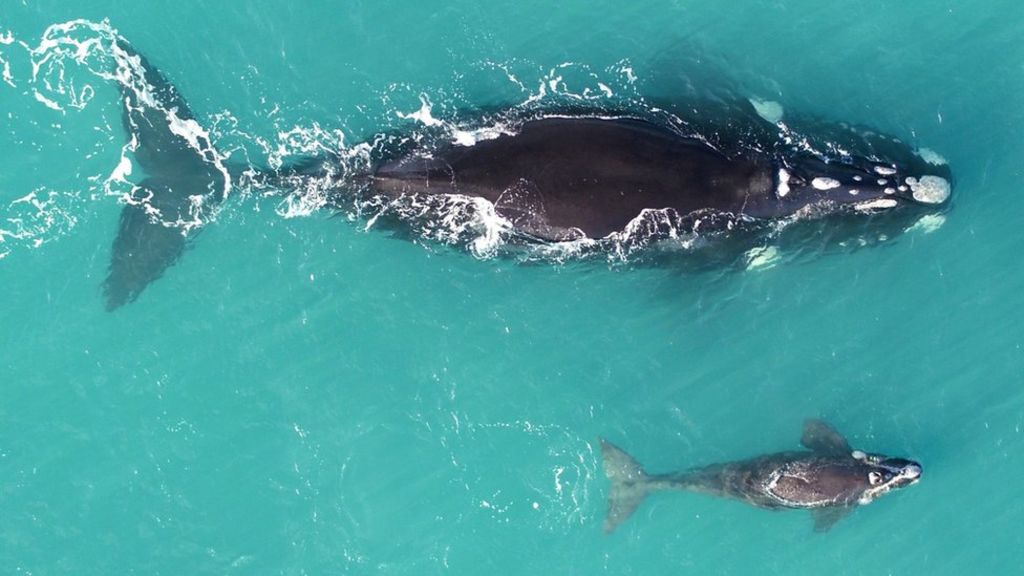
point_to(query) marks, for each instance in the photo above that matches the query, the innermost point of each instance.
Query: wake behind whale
(579, 177)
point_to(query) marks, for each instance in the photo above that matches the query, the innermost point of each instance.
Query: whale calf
(829, 478)
(552, 176)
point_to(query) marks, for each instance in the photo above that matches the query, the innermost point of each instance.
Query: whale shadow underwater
(829, 478)
(711, 188)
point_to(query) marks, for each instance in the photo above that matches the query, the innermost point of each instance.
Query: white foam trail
(423, 115)
(627, 70)
(459, 135)
(37, 218)
(452, 219)
(7, 76)
(47, 102)
(121, 172)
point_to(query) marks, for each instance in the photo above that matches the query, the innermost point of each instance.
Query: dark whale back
(591, 174)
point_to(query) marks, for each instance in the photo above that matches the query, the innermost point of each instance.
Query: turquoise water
(301, 395)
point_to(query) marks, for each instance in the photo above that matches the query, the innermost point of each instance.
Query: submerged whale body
(829, 478)
(552, 178)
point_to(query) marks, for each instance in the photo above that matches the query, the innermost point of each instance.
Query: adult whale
(561, 177)
(829, 478)
(553, 177)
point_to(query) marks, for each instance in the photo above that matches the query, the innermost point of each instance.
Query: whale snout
(912, 471)
(866, 184)
(901, 472)
(922, 179)
(929, 189)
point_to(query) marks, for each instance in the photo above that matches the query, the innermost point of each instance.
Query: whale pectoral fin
(826, 518)
(820, 437)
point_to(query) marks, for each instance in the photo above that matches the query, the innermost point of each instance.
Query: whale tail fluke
(143, 248)
(184, 179)
(630, 484)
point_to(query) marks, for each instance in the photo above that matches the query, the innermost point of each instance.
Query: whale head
(863, 184)
(885, 474)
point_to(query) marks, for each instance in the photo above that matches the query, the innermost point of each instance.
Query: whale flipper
(184, 178)
(826, 518)
(630, 484)
(818, 436)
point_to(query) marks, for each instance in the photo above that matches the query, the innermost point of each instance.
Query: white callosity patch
(885, 170)
(783, 187)
(822, 183)
(929, 189)
(877, 204)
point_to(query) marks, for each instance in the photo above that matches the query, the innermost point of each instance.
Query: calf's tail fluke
(184, 179)
(629, 484)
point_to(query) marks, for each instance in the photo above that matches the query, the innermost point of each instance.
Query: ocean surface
(304, 393)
